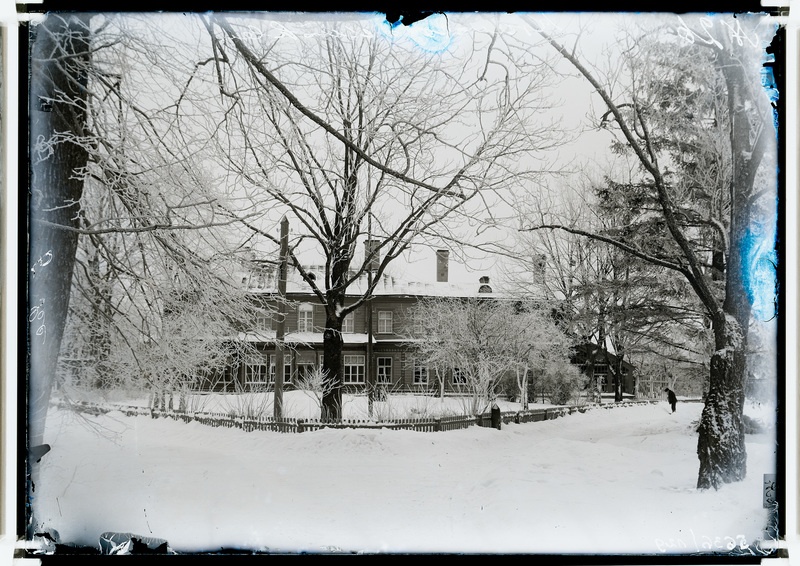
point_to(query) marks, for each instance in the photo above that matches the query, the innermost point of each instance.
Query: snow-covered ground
(301, 404)
(607, 481)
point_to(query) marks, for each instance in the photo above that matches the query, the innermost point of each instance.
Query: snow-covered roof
(264, 280)
(299, 337)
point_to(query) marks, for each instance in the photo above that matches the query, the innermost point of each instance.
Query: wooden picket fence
(293, 425)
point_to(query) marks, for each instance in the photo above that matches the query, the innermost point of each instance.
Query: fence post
(437, 424)
(496, 419)
(300, 423)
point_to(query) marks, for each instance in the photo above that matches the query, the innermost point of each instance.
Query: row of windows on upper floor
(305, 321)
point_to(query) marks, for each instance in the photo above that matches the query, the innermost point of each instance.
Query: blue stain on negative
(769, 86)
(759, 273)
(768, 82)
(759, 257)
(431, 34)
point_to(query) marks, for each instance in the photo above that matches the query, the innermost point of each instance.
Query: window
(255, 372)
(601, 374)
(305, 318)
(420, 374)
(385, 322)
(287, 368)
(384, 371)
(353, 369)
(459, 377)
(347, 324)
(263, 321)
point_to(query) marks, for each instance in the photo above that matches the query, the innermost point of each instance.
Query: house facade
(378, 346)
(600, 364)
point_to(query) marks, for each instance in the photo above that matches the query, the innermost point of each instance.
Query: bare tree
(721, 154)
(608, 299)
(354, 136)
(482, 341)
(314, 385)
(464, 337)
(109, 182)
(537, 347)
(156, 262)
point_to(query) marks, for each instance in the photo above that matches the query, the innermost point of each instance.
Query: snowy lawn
(607, 481)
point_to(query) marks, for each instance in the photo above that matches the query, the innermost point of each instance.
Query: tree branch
(694, 272)
(624, 247)
(256, 63)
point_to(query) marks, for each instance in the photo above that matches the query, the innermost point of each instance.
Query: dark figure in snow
(671, 398)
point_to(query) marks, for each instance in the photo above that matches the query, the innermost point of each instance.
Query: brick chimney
(369, 247)
(442, 258)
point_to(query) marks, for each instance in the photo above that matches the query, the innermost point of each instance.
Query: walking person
(673, 401)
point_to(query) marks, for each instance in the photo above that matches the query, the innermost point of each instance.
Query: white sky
(419, 263)
(587, 155)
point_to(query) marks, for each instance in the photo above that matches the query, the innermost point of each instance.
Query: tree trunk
(332, 366)
(617, 388)
(99, 332)
(57, 104)
(720, 446)
(618, 375)
(280, 346)
(524, 391)
(55, 190)
(54, 194)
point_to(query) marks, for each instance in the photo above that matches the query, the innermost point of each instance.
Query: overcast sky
(586, 156)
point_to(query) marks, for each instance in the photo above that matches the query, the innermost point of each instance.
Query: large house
(377, 345)
(378, 348)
